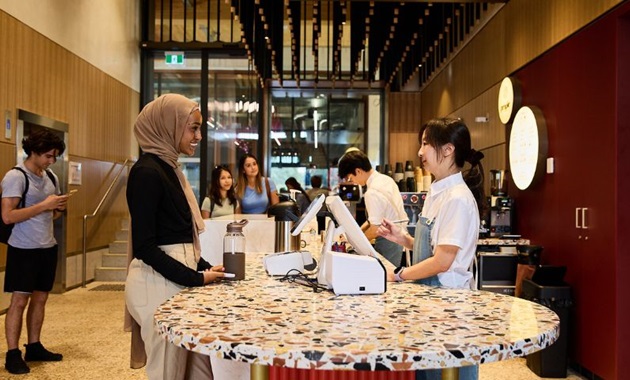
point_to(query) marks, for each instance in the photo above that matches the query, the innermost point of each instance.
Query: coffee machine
(350, 194)
(501, 216)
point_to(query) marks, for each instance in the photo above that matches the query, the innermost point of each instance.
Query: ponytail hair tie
(474, 157)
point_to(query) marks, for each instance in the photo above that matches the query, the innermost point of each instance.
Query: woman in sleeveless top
(255, 192)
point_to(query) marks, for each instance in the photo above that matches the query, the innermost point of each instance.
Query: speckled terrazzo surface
(261, 320)
(497, 241)
(95, 347)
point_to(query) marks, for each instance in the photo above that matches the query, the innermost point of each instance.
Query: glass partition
(232, 103)
(308, 130)
(185, 79)
(233, 114)
(311, 131)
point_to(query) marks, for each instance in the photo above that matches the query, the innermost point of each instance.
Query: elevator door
(28, 122)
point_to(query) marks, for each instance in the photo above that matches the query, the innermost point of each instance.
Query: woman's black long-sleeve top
(160, 215)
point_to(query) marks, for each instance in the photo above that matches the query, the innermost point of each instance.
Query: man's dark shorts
(30, 269)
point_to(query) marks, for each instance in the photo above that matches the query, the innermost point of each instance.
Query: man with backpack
(32, 248)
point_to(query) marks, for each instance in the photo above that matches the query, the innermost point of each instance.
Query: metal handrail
(92, 215)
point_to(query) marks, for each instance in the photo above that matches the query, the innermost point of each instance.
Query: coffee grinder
(501, 206)
(350, 194)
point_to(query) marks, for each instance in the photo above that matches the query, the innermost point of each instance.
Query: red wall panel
(576, 87)
(623, 178)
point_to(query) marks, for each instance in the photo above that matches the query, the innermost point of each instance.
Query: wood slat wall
(102, 228)
(41, 77)
(404, 121)
(489, 137)
(520, 32)
(7, 155)
(468, 87)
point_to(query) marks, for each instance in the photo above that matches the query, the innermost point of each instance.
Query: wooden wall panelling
(520, 32)
(404, 146)
(7, 72)
(50, 81)
(23, 47)
(403, 123)
(104, 226)
(404, 111)
(46, 79)
(489, 137)
(34, 86)
(483, 134)
(75, 96)
(7, 158)
(471, 73)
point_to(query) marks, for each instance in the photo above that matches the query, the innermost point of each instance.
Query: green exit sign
(174, 58)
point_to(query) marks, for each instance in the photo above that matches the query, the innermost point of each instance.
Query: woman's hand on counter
(213, 274)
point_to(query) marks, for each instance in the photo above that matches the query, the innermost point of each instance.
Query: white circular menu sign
(528, 146)
(509, 99)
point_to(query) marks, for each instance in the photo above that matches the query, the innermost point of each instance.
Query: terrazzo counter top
(261, 320)
(498, 241)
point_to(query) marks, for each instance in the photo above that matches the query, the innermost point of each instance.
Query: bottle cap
(237, 226)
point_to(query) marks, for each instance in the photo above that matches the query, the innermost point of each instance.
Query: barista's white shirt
(382, 199)
(453, 208)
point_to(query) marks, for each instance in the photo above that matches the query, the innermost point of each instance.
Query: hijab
(159, 129)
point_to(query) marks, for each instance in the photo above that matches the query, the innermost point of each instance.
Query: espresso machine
(501, 216)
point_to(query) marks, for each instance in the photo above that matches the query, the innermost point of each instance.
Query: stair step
(110, 274)
(118, 246)
(124, 223)
(122, 235)
(118, 260)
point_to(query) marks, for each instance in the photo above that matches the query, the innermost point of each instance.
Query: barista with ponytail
(446, 235)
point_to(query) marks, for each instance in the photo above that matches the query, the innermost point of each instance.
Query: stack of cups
(398, 174)
(417, 175)
(387, 170)
(408, 169)
(410, 182)
(399, 177)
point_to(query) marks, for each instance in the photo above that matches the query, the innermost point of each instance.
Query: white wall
(105, 33)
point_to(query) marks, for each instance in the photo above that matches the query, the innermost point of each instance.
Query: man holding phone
(32, 248)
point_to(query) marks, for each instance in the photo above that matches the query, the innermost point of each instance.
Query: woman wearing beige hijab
(165, 226)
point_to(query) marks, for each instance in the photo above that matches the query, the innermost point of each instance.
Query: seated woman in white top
(221, 198)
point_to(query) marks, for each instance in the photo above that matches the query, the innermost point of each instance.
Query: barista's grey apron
(422, 248)
(393, 252)
(421, 251)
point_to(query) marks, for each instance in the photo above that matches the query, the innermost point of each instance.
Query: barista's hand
(391, 231)
(390, 276)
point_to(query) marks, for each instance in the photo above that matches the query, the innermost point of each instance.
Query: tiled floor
(87, 328)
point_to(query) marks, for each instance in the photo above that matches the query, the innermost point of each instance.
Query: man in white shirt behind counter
(382, 200)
